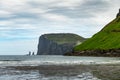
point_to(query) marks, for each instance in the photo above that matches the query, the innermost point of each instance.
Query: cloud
(55, 17)
(29, 14)
(28, 19)
(4, 13)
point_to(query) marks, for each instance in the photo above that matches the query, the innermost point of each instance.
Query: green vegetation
(107, 38)
(63, 38)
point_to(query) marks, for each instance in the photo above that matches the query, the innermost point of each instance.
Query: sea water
(23, 60)
(8, 73)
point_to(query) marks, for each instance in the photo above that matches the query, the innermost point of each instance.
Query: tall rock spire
(118, 13)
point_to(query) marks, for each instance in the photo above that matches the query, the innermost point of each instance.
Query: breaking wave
(54, 60)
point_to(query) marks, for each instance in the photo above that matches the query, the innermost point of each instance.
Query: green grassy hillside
(62, 38)
(107, 38)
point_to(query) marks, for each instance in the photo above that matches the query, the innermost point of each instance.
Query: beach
(61, 72)
(59, 68)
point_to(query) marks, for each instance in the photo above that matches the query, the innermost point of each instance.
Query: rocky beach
(59, 68)
(54, 72)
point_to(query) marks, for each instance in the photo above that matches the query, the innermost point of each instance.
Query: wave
(37, 63)
(54, 60)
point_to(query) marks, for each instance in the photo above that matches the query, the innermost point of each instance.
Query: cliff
(58, 44)
(104, 43)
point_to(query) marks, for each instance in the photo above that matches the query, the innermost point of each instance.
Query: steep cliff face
(57, 44)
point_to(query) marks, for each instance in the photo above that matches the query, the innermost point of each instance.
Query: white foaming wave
(37, 63)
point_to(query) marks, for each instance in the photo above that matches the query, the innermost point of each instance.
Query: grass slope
(107, 38)
(62, 38)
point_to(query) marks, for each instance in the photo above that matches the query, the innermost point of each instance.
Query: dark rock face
(118, 13)
(49, 47)
(104, 53)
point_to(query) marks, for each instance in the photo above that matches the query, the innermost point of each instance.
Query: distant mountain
(105, 42)
(58, 44)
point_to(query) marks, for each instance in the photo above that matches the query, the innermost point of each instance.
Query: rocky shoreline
(103, 53)
(100, 72)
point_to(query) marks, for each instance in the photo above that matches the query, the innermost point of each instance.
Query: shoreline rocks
(118, 13)
(104, 53)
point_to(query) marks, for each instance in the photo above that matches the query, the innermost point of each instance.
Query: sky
(23, 21)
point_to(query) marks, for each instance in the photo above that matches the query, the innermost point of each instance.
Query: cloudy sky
(23, 21)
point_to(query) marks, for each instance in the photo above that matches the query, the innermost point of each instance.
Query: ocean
(23, 67)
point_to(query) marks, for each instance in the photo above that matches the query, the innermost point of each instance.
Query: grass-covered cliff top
(107, 38)
(62, 38)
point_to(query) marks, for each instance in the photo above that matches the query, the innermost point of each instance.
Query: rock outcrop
(103, 53)
(118, 13)
(58, 44)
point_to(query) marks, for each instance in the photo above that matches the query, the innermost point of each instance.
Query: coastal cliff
(104, 43)
(58, 44)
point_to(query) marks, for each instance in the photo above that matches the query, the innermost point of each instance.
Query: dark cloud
(72, 13)
(84, 10)
(95, 5)
(25, 15)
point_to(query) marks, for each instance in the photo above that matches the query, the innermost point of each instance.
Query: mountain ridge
(104, 42)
